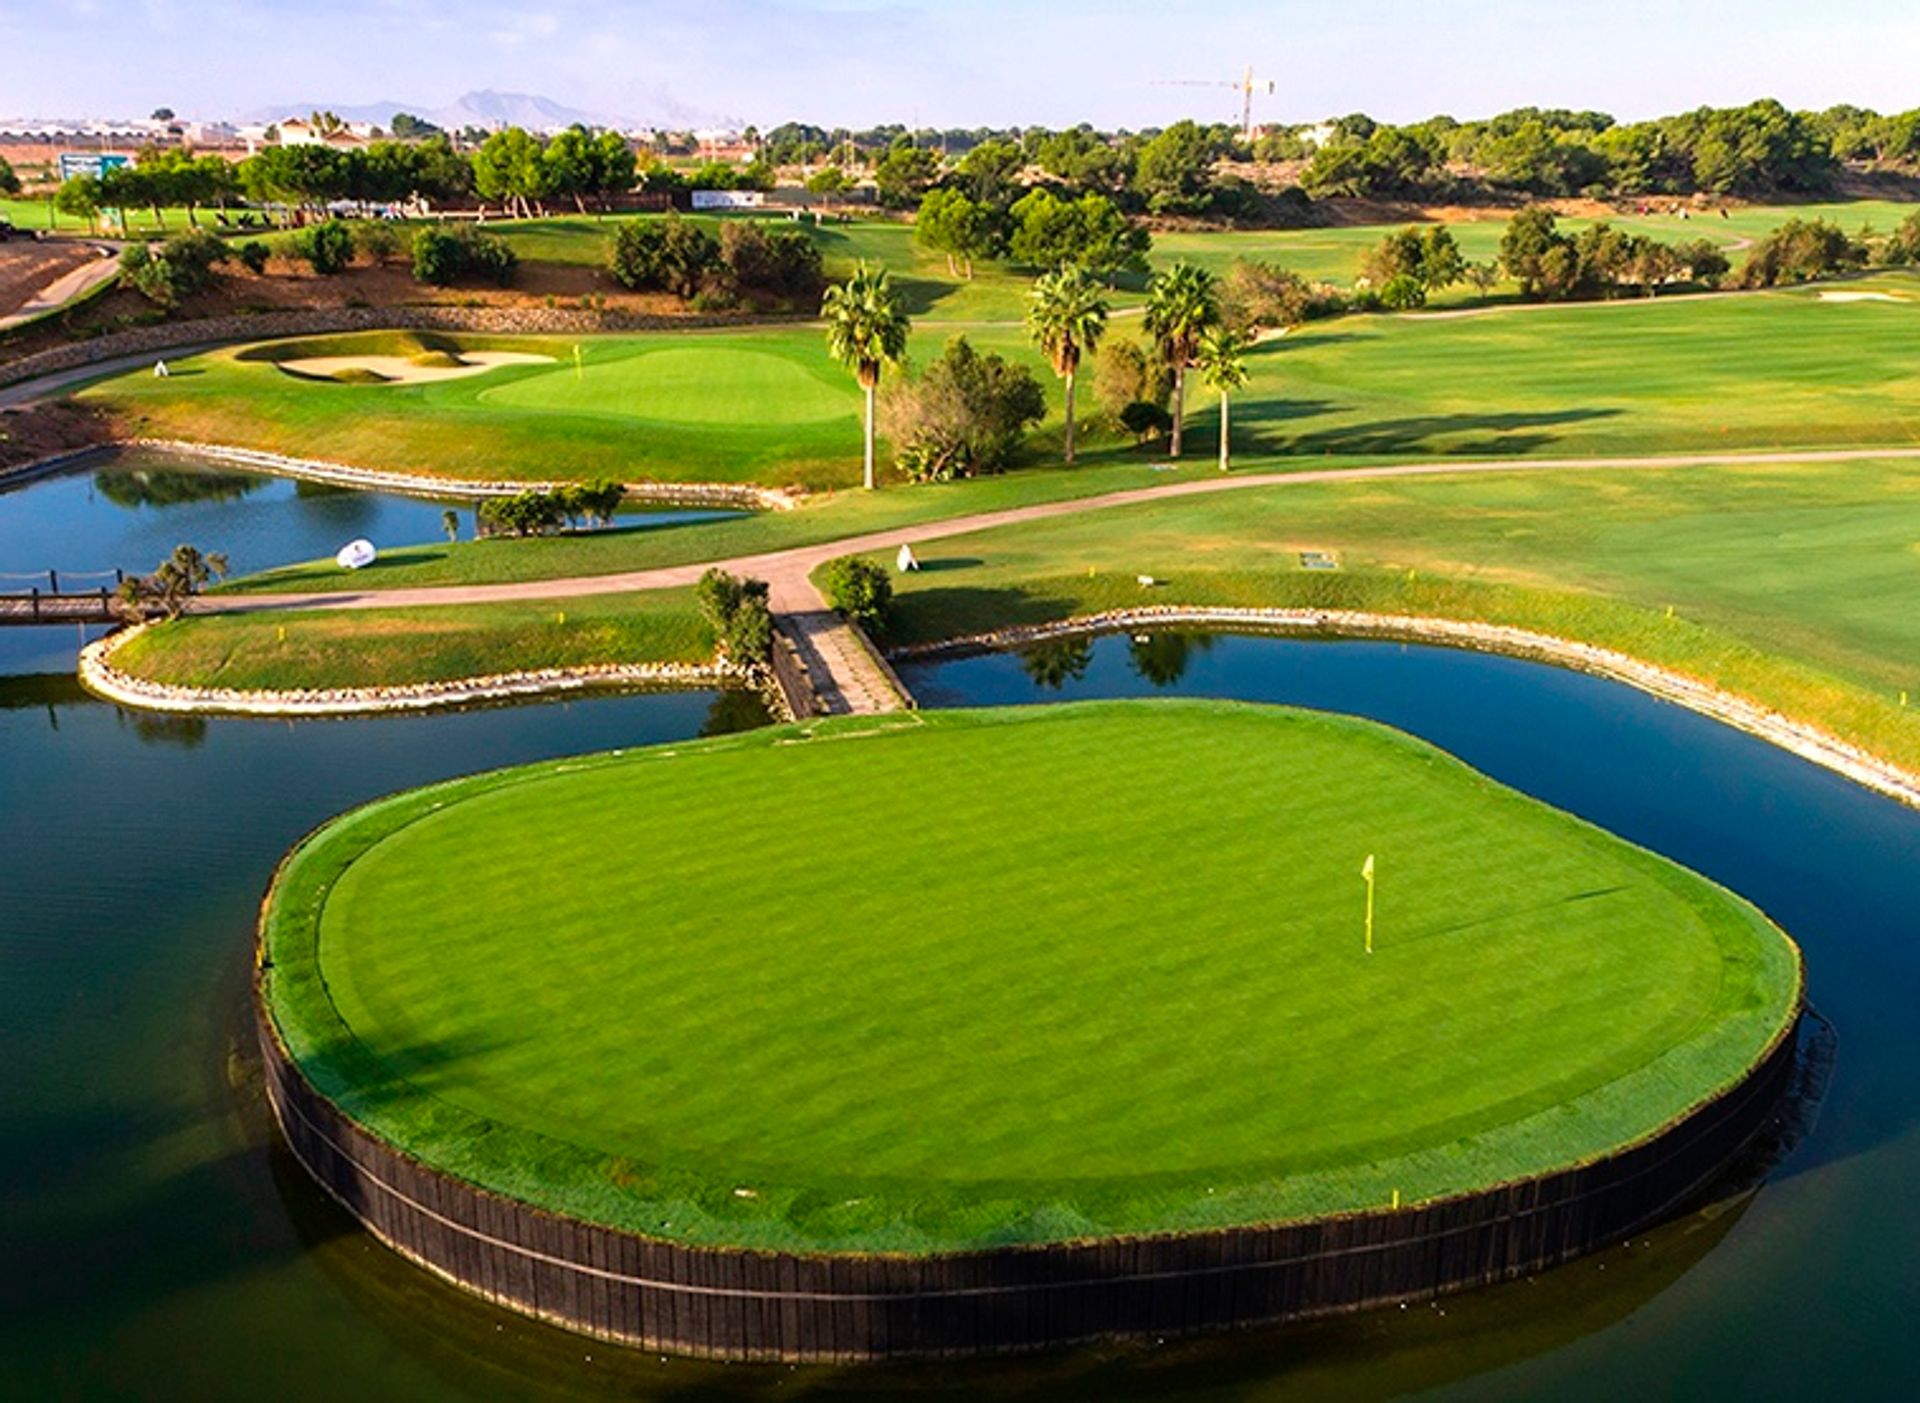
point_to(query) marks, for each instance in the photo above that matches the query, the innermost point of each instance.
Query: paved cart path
(75, 282)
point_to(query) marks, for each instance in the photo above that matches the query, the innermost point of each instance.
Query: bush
(966, 415)
(1800, 250)
(254, 255)
(858, 588)
(784, 263)
(737, 610)
(523, 514)
(1403, 292)
(1125, 375)
(182, 266)
(326, 246)
(1146, 421)
(442, 258)
(1256, 295)
(669, 255)
(377, 239)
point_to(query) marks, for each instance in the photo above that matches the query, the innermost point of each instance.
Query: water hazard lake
(160, 1244)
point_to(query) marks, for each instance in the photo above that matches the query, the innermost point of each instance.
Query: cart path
(845, 674)
(75, 282)
(786, 571)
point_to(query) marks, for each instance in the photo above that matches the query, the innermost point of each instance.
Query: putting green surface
(990, 977)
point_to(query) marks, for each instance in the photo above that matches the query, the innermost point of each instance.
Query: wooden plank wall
(780, 1306)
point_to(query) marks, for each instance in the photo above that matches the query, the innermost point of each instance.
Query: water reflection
(166, 487)
(1163, 658)
(1054, 662)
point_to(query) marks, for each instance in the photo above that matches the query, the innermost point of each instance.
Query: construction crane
(1246, 85)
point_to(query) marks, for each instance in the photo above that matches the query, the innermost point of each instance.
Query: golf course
(1110, 979)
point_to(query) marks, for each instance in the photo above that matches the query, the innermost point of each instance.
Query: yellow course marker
(1366, 873)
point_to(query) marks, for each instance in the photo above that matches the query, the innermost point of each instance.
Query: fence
(782, 1306)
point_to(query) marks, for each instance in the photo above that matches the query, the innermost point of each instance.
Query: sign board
(93, 163)
(729, 199)
(355, 555)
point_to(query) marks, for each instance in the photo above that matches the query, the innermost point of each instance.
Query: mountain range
(487, 108)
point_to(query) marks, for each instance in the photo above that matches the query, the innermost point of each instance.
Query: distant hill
(487, 108)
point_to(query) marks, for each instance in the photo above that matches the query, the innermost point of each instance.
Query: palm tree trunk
(868, 475)
(1224, 459)
(1070, 434)
(1179, 407)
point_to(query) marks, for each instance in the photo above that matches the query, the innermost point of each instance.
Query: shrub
(182, 266)
(1403, 292)
(966, 415)
(326, 246)
(737, 610)
(669, 255)
(377, 239)
(1145, 420)
(254, 255)
(1799, 250)
(858, 588)
(1124, 374)
(442, 258)
(783, 263)
(523, 514)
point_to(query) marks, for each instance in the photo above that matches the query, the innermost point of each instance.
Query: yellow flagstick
(1366, 872)
(576, 360)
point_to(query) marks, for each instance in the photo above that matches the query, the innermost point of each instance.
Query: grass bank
(988, 1043)
(1790, 585)
(397, 647)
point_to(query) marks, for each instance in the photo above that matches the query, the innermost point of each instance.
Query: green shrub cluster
(747, 261)
(182, 266)
(859, 588)
(443, 257)
(537, 513)
(737, 610)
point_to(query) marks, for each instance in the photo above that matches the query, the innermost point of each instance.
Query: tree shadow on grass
(1452, 435)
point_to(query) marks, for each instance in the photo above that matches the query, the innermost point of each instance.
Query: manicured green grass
(1791, 584)
(1765, 370)
(1043, 975)
(395, 647)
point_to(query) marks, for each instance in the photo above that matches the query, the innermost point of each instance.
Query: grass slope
(1793, 585)
(1103, 974)
(397, 647)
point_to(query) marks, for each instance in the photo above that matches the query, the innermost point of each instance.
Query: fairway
(1025, 976)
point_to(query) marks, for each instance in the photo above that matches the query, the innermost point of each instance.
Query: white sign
(729, 199)
(355, 555)
(904, 561)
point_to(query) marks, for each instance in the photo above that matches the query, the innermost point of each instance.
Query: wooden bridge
(61, 605)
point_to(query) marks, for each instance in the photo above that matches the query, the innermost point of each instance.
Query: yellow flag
(1366, 873)
(1366, 868)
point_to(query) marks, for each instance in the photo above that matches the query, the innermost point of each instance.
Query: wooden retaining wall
(781, 1306)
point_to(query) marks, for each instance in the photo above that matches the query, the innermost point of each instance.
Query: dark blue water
(1812, 1291)
(131, 509)
(156, 1243)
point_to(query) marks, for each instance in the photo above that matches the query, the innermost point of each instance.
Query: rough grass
(1791, 585)
(1104, 974)
(395, 647)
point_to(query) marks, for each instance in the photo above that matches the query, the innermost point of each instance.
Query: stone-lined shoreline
(98, 675)
(734, 496)
(1797, 737)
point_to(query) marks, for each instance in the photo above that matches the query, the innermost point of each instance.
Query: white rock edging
(686, 494)
(99, 676)
(1797, 737)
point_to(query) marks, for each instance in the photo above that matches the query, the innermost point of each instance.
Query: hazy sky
(957, 62)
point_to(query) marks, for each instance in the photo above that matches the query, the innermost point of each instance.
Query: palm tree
(1180, 306)
(1222, 357)
(1066, 318)
(866, 330)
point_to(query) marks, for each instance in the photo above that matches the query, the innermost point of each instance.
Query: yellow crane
(1246, 85)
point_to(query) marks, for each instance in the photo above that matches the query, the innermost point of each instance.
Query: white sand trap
(1860, 297)
(399, 370)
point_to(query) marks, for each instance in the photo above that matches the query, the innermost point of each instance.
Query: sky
(956, 62)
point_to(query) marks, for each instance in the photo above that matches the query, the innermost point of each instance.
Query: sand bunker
(1860, 297)
(402, 370)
